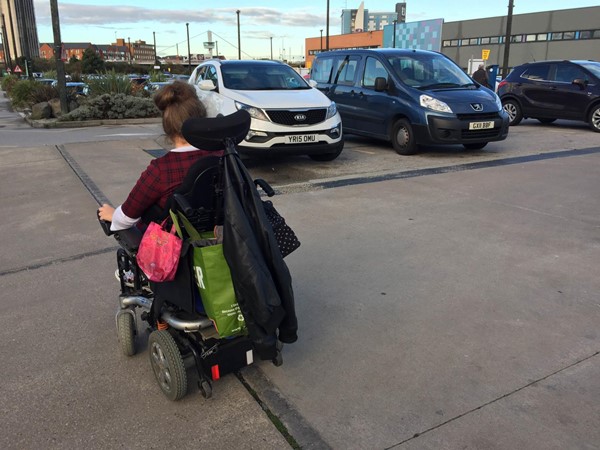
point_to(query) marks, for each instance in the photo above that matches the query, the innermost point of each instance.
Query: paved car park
(447, 309)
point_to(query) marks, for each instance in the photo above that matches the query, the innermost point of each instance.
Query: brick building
(367, 39)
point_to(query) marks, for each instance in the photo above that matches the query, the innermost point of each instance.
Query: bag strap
(187, 225)
(175, 224)
(173, 228)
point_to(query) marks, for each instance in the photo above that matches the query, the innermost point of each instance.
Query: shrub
(21, 93)
(155, 75)
(118, 106)
(43, 93)
(8, 82)
(110, 82)
(51, 74)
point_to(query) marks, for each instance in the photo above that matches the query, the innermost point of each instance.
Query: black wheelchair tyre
(126, 332)
(205, 389)
(403, 138)
(167, 364)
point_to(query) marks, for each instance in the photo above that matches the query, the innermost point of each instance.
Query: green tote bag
(213, 279)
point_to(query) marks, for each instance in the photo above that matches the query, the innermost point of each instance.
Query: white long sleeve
(120, 221)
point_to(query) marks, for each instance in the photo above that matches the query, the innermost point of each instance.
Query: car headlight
(434, 104)
(331, 111)
(255, 113)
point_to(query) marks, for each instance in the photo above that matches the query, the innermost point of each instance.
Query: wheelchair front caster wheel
(278, 360)
(126, 333)
(205, 389)
(167, 364)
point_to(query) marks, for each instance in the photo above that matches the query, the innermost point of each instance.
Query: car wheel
(403, 138)
(545, 120)
(475, 146)
(594, 119)
(329, 156)
(513, 110)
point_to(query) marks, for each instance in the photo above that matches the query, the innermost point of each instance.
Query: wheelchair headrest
(210, 133)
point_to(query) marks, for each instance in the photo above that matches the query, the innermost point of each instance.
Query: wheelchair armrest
(129, 239)
(104, 224)
(265, 187)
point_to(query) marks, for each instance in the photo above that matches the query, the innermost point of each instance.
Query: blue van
(409, 97)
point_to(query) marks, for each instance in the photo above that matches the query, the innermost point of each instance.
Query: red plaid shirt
(159, 180)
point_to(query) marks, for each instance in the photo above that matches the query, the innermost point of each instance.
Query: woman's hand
(105, 212)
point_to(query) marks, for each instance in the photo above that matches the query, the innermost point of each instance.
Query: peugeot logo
(300, 117)
(477, 106)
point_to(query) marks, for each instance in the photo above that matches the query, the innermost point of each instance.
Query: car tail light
(502, 83)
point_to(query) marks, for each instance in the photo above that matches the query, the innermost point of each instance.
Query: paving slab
(48, 213)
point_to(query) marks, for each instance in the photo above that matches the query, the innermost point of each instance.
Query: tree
(91, 62)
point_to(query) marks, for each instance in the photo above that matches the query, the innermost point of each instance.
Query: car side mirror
(381, 84)
(206, 85)
(580, 82)
(312, 83)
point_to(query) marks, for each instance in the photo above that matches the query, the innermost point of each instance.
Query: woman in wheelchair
(148, 198)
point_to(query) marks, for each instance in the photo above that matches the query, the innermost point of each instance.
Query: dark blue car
(550, 90)
(409, 97)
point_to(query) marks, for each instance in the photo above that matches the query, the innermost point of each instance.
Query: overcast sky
(288, 23)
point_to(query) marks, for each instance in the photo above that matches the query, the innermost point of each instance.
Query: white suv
(289, 116)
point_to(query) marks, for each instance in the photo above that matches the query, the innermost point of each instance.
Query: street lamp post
(154, 34)
(507, 39)
(321, 40)
(129, 48)
(239, 41)
(271, 47)
(187, 26)
(394, 37)
(327, 29)
(60, 68)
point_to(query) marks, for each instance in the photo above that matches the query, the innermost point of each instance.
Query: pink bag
(158, 254)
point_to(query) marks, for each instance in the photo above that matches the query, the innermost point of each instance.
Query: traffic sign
(18, 69)
(485, 54)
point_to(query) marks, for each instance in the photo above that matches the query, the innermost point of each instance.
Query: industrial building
(560, 34)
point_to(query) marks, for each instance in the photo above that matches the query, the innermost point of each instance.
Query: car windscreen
(593, 67)
(428, 71)
(255, 77)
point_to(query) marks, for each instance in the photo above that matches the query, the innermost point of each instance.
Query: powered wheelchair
(181, 337)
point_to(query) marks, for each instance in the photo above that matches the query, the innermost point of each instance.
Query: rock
(55, 105)
(41, 111)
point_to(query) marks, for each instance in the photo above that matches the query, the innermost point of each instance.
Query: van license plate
(301, 139)
(480, 125)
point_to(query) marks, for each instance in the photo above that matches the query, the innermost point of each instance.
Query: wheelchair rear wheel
(167, 364)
